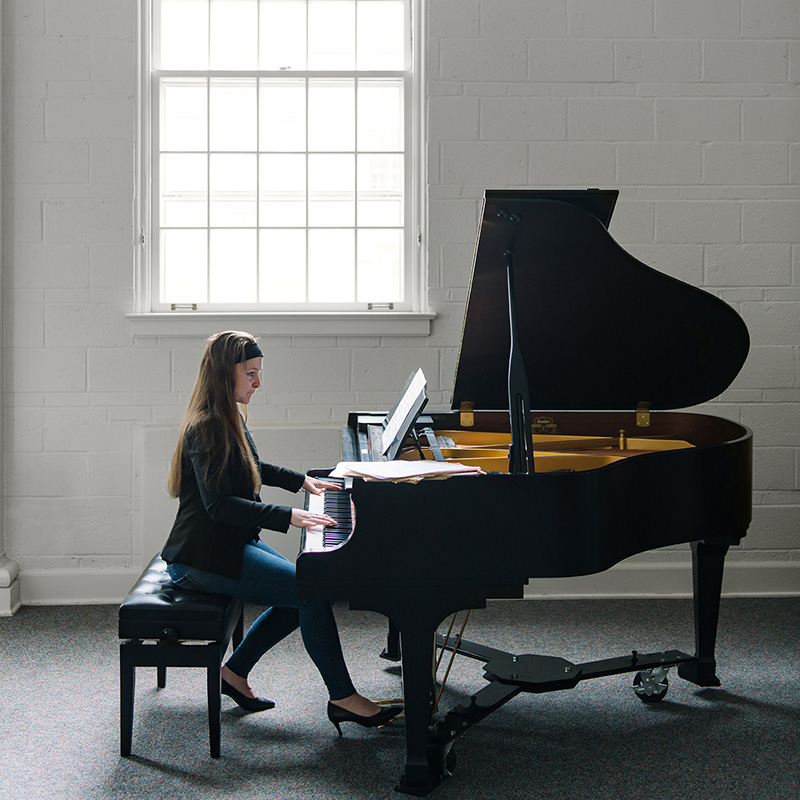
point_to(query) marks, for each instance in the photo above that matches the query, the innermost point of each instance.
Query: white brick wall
(689, 108)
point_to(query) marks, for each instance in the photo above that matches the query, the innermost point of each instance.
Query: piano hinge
(467, 415)
(643, 415)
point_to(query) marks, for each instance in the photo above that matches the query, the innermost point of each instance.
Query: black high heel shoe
(243, 701)
(337, 715)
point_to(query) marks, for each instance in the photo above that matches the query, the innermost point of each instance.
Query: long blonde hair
(213, 414)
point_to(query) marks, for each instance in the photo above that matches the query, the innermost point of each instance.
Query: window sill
(299, 323)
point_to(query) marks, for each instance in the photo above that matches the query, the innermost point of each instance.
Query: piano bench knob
(168, 636)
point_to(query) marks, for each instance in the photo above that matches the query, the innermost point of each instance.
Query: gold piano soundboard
(552, 452)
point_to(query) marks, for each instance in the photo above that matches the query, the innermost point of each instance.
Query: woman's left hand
(316, 486)
(307, 519)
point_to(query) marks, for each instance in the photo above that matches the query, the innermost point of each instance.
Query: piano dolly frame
(509, 674)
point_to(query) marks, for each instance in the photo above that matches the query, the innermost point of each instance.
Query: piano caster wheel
(441, 762)
(450, 761)
(651, 685)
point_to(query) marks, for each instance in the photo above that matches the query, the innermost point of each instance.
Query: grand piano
(574, 356)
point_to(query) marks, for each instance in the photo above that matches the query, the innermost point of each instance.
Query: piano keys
(610, 348)
(337, 504)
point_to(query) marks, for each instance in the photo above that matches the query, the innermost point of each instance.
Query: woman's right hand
(307, 519)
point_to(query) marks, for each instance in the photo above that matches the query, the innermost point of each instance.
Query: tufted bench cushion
(162, 625)
(155, 603)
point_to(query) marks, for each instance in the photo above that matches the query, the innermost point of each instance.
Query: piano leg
(417, 653)
(708, 562)
(392, 650)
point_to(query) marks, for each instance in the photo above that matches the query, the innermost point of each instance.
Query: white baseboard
(62, 587)
(54, 587)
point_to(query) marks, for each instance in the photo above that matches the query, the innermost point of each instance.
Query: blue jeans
(268, 579)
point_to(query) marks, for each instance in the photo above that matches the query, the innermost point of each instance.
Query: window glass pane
(331, 34)
(331, 266)
(232, 109)
(184, 262)
(380, 35)
(380, 115)
(184, 34)
(234, 34)
(331, 190)
(232, 266)
(282, 191)
(232, 184)
(283, 34)
(331, 111)
(282, 266)
(282, 110)
(184, 190)
(184, 114)
(380, 259)
(380, 190)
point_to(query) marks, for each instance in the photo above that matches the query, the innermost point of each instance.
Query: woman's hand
(307, 519)
(316, 486)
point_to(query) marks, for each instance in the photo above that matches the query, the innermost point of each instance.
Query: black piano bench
(161, 626)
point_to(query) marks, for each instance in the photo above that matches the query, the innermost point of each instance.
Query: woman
(214, 544)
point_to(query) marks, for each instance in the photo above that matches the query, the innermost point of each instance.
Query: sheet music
(402, 471)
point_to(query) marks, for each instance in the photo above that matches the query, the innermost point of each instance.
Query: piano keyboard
(336, 504)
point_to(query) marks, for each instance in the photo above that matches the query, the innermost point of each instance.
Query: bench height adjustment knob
(168, 636)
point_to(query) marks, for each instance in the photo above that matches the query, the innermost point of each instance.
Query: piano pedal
(391, 701)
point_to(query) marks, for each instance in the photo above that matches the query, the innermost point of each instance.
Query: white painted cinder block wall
(690, 108)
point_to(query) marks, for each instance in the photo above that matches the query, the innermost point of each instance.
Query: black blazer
(214, 523)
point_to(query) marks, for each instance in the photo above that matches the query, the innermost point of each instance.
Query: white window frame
(413, 319)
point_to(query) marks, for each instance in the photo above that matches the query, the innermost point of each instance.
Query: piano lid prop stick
(520, 454)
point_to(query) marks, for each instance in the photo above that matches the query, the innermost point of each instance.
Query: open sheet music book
(402, 471)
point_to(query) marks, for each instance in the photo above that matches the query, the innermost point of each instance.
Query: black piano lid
(598, 329)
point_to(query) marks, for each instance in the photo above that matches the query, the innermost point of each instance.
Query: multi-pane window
(282, 154)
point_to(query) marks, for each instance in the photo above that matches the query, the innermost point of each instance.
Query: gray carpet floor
(741, 741)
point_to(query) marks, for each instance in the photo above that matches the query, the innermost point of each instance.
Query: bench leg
(161, 671)
(214, 680)
(127, 683)
(238, 631)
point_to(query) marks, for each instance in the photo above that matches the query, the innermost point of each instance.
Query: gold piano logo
(544, 425)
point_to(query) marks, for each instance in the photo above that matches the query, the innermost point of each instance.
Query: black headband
(251, 350)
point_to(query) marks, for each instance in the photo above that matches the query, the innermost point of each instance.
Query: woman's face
(248, 379)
